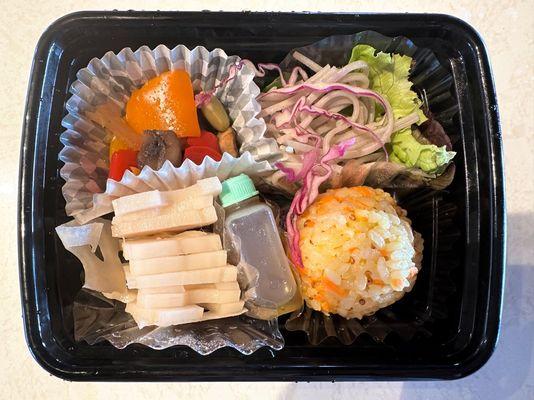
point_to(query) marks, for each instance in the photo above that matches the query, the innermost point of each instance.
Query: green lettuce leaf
(406, 150)
(389, 76)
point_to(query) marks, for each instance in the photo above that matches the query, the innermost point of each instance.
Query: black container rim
(28, 260)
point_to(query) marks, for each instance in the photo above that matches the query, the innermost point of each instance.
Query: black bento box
(455, 343)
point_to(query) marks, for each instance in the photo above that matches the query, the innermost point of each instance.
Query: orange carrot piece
(333, 287)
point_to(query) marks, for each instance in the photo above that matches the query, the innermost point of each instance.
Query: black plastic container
(456, 342)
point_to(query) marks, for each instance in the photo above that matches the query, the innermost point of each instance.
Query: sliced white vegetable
(180, 315)
(175, 219)
(210, 275)
(189, 242)
(209, 293)
(154, 199)
(193, 203)
(186, 262)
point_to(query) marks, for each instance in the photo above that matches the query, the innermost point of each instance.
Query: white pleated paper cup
(168, 177)
(114, 77)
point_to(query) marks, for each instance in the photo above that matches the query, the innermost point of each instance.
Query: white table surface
(508, 29)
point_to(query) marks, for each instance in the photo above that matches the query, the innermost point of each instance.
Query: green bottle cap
(237, 189)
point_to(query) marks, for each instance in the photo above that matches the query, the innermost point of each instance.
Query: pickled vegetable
(157, 147)
(117, 144)
(121, 161)
(165, 102)
(206, 138)
(227, 142)
(216, 115)
(198, 153)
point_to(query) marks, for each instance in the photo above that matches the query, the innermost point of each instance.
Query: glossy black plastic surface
(458, 342)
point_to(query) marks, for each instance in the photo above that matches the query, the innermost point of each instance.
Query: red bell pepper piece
(197, 154)
(122, 160)
(206, 139)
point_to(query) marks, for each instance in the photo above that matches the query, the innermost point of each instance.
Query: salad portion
(369, 100)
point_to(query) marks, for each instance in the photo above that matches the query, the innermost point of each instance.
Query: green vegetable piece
(389, 76)
(216, 115)
(405, 149)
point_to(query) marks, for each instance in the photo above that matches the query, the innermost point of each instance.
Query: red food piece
(197, 154)
(206, 139)
(122, 160)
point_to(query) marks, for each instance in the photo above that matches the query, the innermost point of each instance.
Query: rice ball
(358, 250)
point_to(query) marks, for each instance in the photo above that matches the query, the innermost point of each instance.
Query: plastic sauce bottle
(251, 227)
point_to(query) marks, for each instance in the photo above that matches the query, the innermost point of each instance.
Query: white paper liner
(114, 77)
